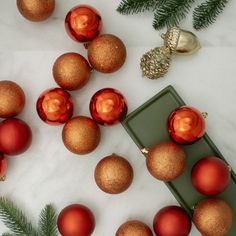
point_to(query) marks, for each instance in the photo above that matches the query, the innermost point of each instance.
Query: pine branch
(206, 13)
(137, 6)
(8, 234)
(47, 222)
(14, 219)
(171, 12)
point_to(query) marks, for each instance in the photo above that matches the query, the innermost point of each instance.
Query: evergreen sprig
(17, 222)
(206, 13)
(47, 222)
(136, 6)
(169, 13)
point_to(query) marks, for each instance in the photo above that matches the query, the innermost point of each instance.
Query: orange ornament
(81, 135)
(12, 99)
(134, 228)
(76, 220)
(83, 23)
(213, 217)
(186, 125)
(55, 106)
(108, 106)
(3, 167)
(106, 53)
(36, 10)
(71, 71)
(113, 174)
(165, 161)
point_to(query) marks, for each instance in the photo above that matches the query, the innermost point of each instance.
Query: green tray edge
(170, 89)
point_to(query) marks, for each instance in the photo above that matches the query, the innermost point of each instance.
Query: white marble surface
(47, 172)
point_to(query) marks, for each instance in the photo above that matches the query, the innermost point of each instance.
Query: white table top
(47, 172)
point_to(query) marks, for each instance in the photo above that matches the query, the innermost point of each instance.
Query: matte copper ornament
(165, 161)
(113, 174)
(83, 23)
(71, 71)
(108, 106)
(186, 125)
(213, 217)
(3, 167)
(172, 221)
(106, 53)
(210, 176)
(15, 136)
(76, 220)
(12, 99)
(55, 106)
(81, 135)
(36, 10)
(134, 228)
(155, 63)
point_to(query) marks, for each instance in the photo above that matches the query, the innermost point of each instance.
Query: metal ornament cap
(155, 63)
(181, 41)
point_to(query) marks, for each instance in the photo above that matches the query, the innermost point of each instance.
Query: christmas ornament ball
(106, 53)
(3, 166)
(71, 71)
(81, 135)
(108, 106)
(83, 23)
(172, 221)
(113, 174)
(213, 217)
(15, 136)
(210, 176)
(55, 106)
(186, 125)
(36, 10)
(12, 99)
(134, 228)
(76, 220)
(166, 161)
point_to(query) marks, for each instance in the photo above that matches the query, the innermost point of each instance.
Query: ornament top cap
(181, 41)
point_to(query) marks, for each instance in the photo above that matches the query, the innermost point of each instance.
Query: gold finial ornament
(155, 63)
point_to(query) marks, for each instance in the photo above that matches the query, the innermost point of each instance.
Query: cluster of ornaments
(165, 161)
(210, 176)
(15, 134)
(71, 71)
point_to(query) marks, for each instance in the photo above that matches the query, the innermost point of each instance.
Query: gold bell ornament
(155, 63)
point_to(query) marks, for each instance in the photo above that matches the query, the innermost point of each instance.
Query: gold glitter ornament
(134, 228)
(165, 161)
(155, 63)
(71, 71)
(81, 135)
(213, 217)
(36, 10)
(106, 53)
(113, 174)
(12, 99)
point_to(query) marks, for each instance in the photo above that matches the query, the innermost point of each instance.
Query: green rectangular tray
(147, 126)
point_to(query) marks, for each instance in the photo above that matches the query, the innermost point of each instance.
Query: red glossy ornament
(15, 136)
(210, 176)
(3, 166)
(172, 221)
(55, 106)
(76, 220)
(108, 106)
(186, 125)
(83, 23)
